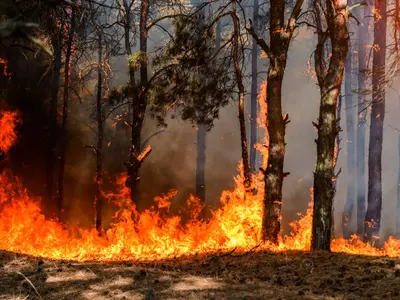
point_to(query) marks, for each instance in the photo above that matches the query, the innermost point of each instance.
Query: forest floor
(257, 275)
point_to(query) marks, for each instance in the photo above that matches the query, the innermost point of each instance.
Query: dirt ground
(261, 275)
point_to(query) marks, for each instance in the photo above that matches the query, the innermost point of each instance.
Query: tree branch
(294, 16)
(260, 41)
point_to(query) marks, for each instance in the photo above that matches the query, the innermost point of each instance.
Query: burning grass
(153, 234)
(221, 258)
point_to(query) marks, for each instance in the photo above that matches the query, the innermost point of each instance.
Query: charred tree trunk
(99, 149)
(201, 159)
(329, 82)
(338, 139)
(52, 143)
(277, 50)
(63, 139)
(373, 215)
(274, 174)
(351, 154)
(254, 91)
(139, 106)
(361, 123)
(239, 81)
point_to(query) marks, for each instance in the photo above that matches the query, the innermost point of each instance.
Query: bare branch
(260, 41)
(294, 16)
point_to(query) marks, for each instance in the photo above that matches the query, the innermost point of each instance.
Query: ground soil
(255, 275)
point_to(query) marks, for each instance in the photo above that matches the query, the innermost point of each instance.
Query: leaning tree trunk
(361, 122)
(254, 91)
(100, 133)
(63, 139)
(373, 215)
(277, 51)
(239, 81)
(351, 154)
(52, 142)
(329, 82)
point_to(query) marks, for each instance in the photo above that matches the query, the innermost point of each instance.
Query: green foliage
(136, 60)
(192, 79)
(117, 94)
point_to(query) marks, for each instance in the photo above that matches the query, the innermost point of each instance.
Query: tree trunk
(139, 105)
(361, 122)
(274, 174)
(63, 139)
(398, 193)
(254, 92)
(201, 126)
(276, 124)
(351, 154)
(277, 50)
(202, 132)
(338, 139)
(201, 160)
(329, 82)
(218, 35)
(52, 143)
(373, 216)
(239, 81)
(100, 132)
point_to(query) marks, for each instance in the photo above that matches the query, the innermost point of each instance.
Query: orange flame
(8, 122)
(155, 233)
(262, 123)
(5, 67)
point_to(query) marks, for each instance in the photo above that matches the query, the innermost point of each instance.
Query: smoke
(171, 165)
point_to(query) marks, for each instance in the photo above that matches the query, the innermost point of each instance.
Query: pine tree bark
(63, 138)
(254, 91)
(99, 148)
(361, 123)
(52, 141)
(373, 215)
(351, 154)
(329, 82)
(277, 51)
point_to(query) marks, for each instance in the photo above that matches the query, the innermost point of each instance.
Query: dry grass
(259, 275)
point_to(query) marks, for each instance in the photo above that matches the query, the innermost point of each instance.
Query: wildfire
(153, 234)
(5, 66)
(8, 122)
(262, 121)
